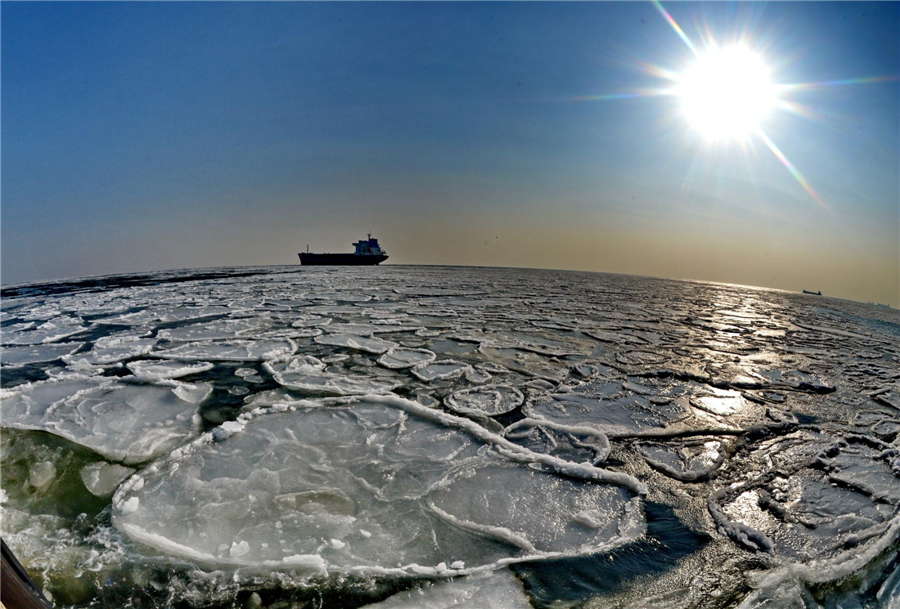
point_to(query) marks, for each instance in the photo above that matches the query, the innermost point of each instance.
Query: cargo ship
(368, 252)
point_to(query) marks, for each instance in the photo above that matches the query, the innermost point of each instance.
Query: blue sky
(139, 136)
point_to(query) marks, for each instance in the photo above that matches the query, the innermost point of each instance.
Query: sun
(727, 93)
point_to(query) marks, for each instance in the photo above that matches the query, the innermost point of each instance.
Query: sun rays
(727, 94)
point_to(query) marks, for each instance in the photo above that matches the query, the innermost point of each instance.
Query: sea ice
(720, 402)
(307, 373)
(51, 331)
(305, 321)
(158, 370)
(131, 423)
(496, 590)
(689, 460)
(357, 342)
(220, 329)
(810, 509)
(623, 412)
(42, 473)
(103, 478)
(165, 314)
(440, 370)
(400, 357)
(768, 421)
(381, 485)
(112, 349)
(491, 400)
(21, 356)
(230, 350)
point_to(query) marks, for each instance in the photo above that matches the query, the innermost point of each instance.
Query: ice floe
(381, 485)
(229, 350)
(131, 423)
(399, 357)
(159, 370)
(354, 341)
(51, 331)
(222, 329)
(440, 370)
(307, 373)
(497, 590)
(102, 479)
(491, 400)
(112, 349)
(22, 356)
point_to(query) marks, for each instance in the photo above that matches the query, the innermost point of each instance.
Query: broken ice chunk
(111, 349)
(497, 590)
(354, 341)
(238, 549)
(130, 506)
(440, 370)
(477, 376)
(102, 478)
(688, 460)
(21, 356)
(230, 350)
(399, 357)
(307, 373)
(491, 401)
(220, 329)
(123, 421)
(49, 332)
(158, 370)
(720, 402)
(41, 474)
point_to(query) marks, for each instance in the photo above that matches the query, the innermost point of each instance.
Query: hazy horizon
(141, 137)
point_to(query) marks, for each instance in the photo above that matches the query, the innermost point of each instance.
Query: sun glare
(726, 93)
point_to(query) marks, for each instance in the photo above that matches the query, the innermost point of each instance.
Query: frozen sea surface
(448, 437)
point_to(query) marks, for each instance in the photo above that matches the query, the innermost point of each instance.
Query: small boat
(819, 293)
(367, 253)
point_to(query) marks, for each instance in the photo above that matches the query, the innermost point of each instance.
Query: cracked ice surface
(371, 487)
(764, 423)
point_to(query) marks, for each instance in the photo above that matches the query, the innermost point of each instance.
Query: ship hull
(307, 259)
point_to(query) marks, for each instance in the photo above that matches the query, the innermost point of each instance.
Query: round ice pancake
(492, 401)
(368, 488)
(307, 373)
(400, 357)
